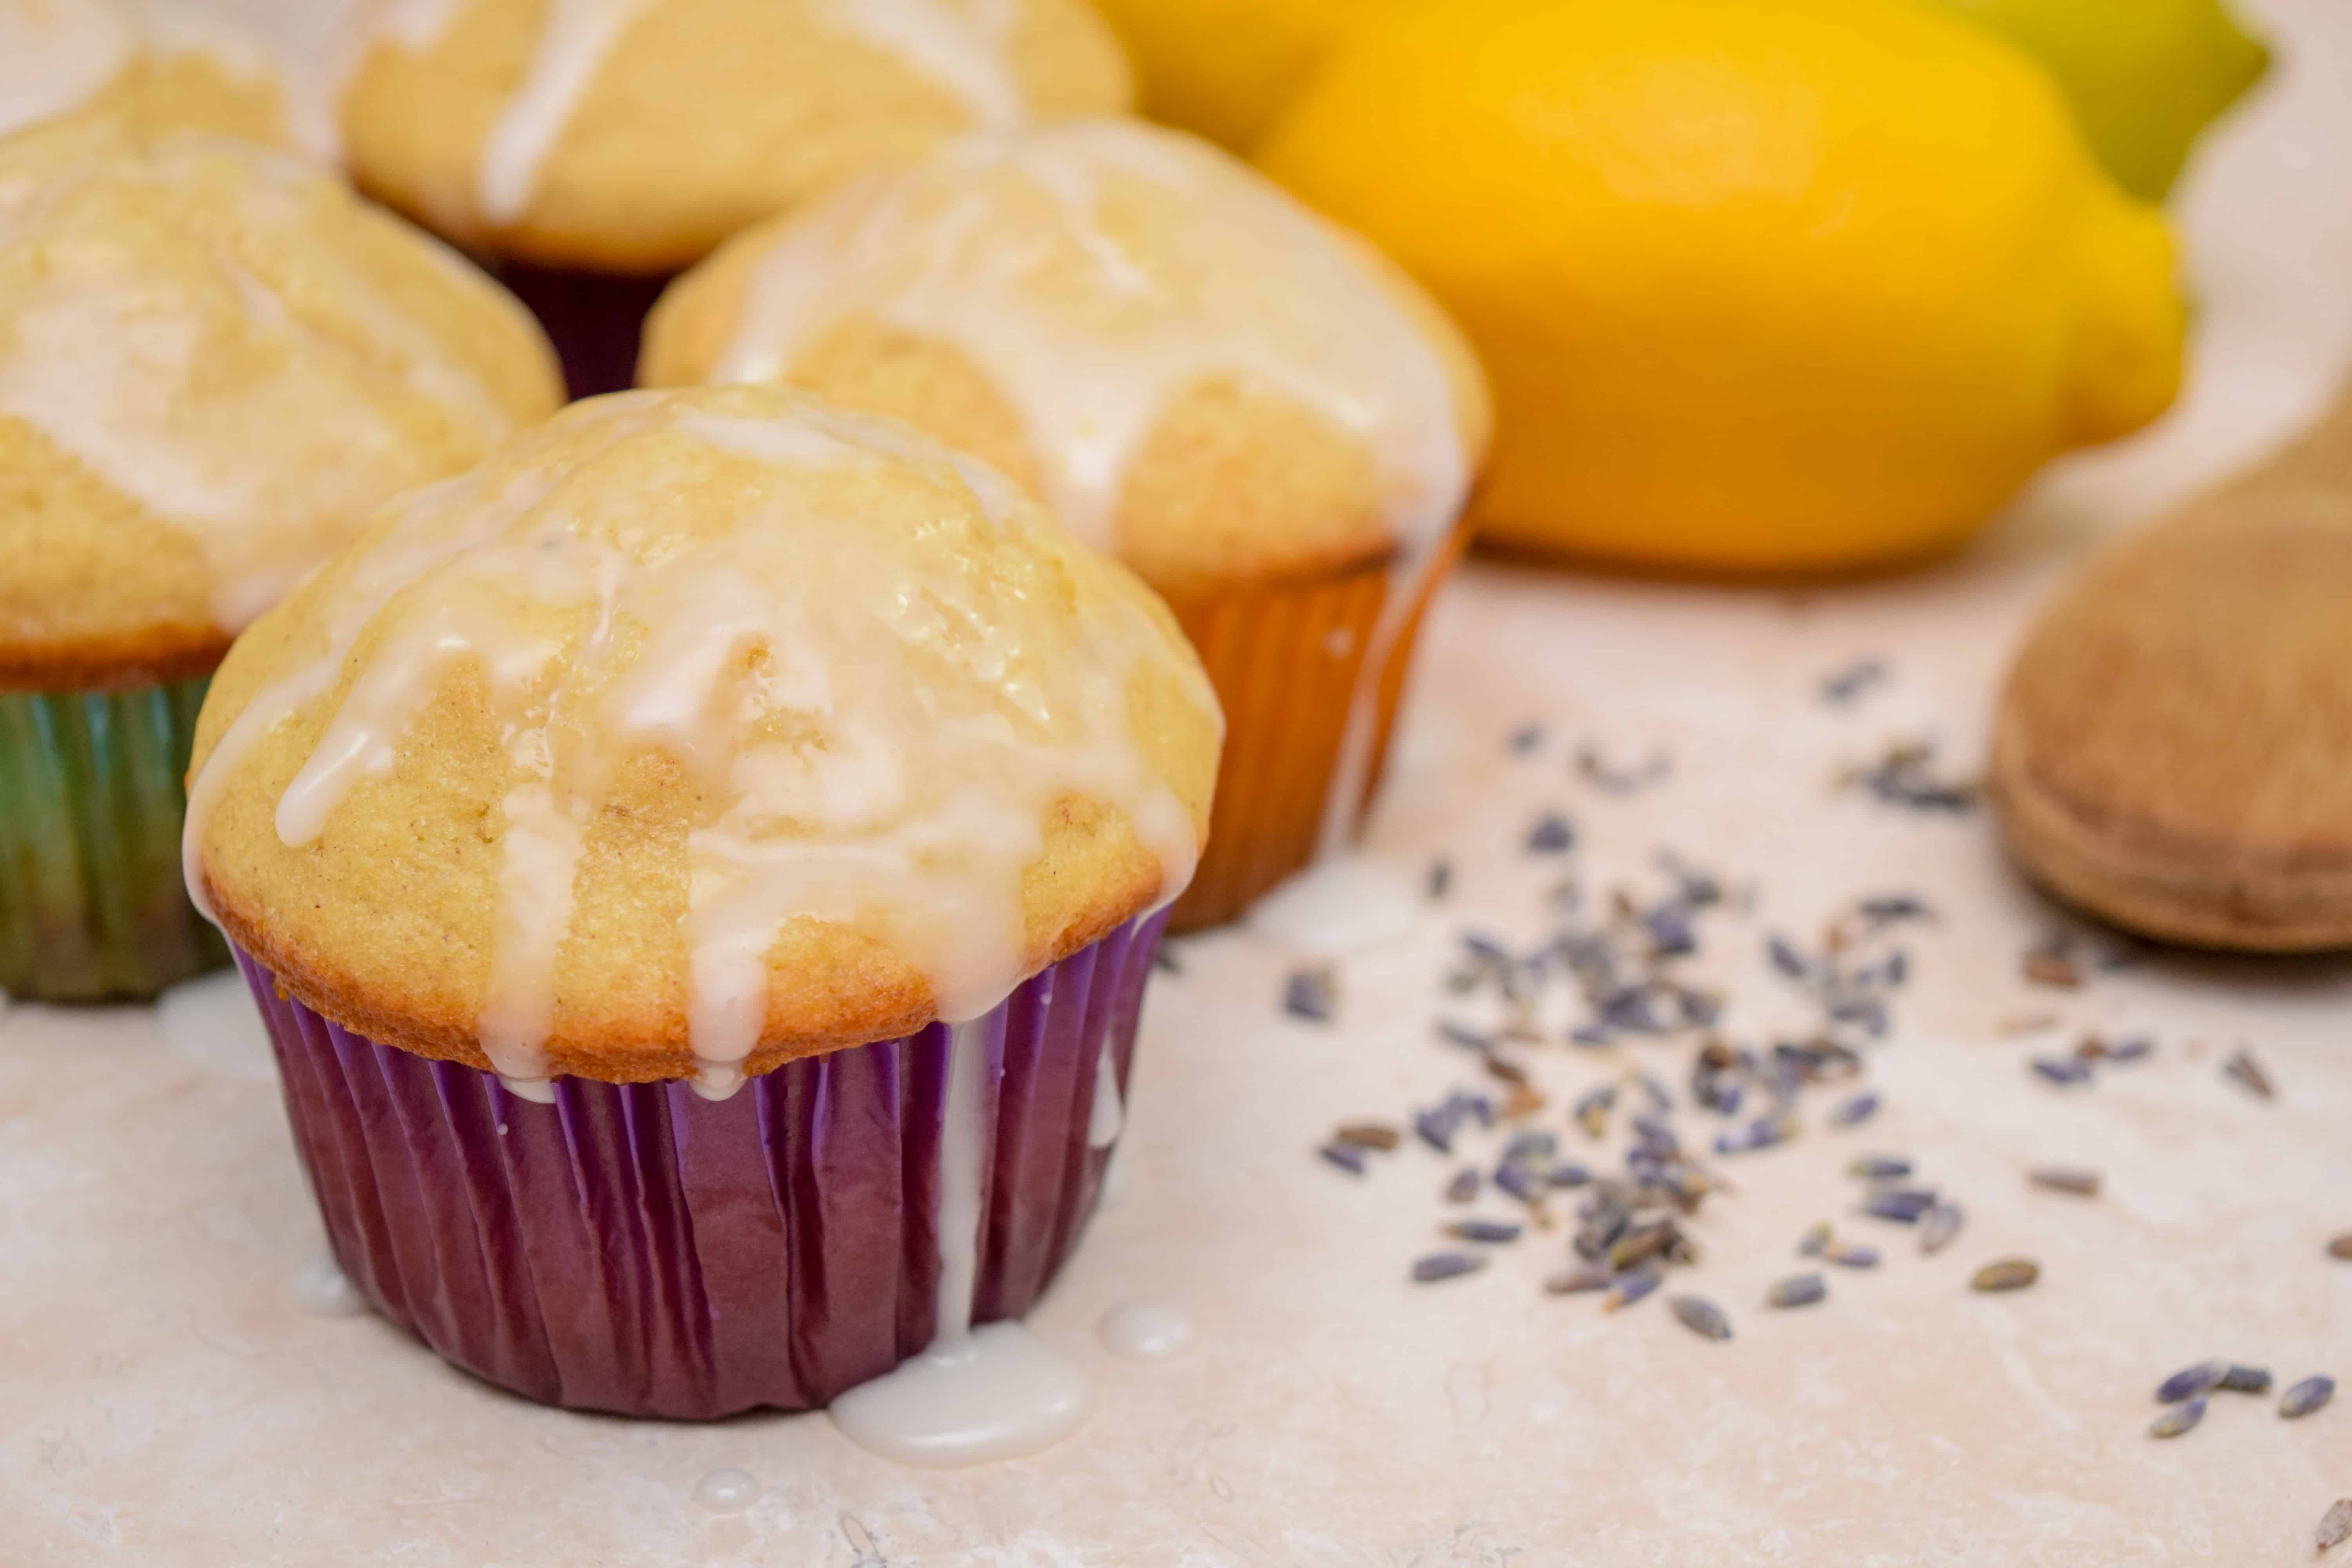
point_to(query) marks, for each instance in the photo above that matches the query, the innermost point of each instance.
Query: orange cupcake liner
(1286, 660)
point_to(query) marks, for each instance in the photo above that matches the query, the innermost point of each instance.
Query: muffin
(159, 69)
(214, 362)
(596, 149)
(707, 859)
(1253, 410)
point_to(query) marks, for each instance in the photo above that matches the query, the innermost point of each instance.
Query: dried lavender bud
(1579, 1281)
(1437, 1127)
(1815, 1239)
(2045, 966)
(2007, 1274)
(1592, 1109)
(1525, 739)
(2341, 1248)
(1569, 1173)
(2246, 1380)
(1459, 1033)
(1851, 683)
(1878, 1167)
(2306, 1396)
(1312, 994)
(2180, 1418)
(1445, 1265)
(1701, 1316)
(1552, 835)
(1492, 1232)
(1938, 1226)
(1630, 1288)
(1530, 1146)
(2071, 1179)
(1520, 1182)
(1786, 958)
(1903, 1206)
(1849, 1254)
(2242, 1067)
(2136, 1048)
(1348, 1157)
(2334, 1525)
(1377, 1135)
(1441, 879)
(1797, 1290)
(1463, 1187)
(2063, 1071)
(1166, 959)
(1641, 1244)
(1858, 1110)
(2191, 1381)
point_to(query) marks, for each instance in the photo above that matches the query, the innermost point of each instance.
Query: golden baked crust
(214, 362)
(1239, 479)
(637, 526)
(700, 117)
(2173, 746)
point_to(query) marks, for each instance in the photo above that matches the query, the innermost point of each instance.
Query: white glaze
(960, 46)
(726, 1491)
(324, 1290)
(1144, 1331)
(573, 41)
(1108, 1114)
(55, 53)
(973, 1394)
(262, 470)
(1008, 247)
(912, 819)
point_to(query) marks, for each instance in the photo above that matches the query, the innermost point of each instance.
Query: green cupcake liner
(91, 904)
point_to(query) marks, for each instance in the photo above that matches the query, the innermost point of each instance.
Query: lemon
(1762, 285)
(2145, 76)
(1226, 67)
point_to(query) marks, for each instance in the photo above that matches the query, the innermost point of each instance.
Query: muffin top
(213, 364)
(1191, 368)
(634, 135)
(692, 733)
(160, 66)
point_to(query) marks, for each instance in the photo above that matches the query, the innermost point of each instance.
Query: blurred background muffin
(595, 146)
(1250, 407)
(212, 364)
(763, 777)
(158, 66)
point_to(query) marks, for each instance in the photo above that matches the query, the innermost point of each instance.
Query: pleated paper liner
(92, 907)
(636, 1248)
(1284, 660)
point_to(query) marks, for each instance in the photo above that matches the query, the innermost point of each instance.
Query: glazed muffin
(1252, 408)
(213, 364)
(728, 768)
(597, 146)
(157, 68)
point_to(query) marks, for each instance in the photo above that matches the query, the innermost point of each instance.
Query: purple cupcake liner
(594, 319)
(638, 1249)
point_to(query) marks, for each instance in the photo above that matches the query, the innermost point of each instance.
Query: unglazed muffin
(757, 776)
(214, 362)
(1252, 408)
(160, 68)
(594, 144)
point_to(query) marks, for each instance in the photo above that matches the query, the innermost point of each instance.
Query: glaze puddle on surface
(974, 1395)
(324, 1290)
(1144, 1331)
(726, 1491)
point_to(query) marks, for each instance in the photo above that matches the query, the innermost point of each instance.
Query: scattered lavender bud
(1849, 1254)
(1525, 739)
(1701, 1316)
(2246, 1380)
(1520, 1182)
(2007, 1274)
(1939, 1225)
(2138, 1048)
(1437, 1127)
(1377, 1135)
(1855, 1111)
(1577, 1281)
(1815, 1239)
(1463, 1187)
(1903, 1206)
(1454, 1032)
(1492, 1232)
(1845, 685)
(2073, 1179)
(1441, 879)
(2063, 1071)
(2191, 1381)
(1630, 1288)
(1569, 1173)
(1786, 958)
(1445, 1265)
(1552, 835)
(2306, 1396)
(1311, 993)
(2180, 1418)
(1878, 1167)
(1797, 1290)
(2248, 1072)
(2334, 1525)
(1348, 1157)
(2340, 1248)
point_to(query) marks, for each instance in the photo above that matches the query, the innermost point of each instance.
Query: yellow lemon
(1762, 285)
(1226, 67)
(2145, 76)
